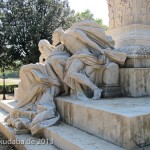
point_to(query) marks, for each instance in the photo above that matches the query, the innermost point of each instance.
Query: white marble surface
(122, 121)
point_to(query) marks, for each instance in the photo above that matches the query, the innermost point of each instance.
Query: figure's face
(55, 39)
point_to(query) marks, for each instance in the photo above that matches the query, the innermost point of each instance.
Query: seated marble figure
(38, 87)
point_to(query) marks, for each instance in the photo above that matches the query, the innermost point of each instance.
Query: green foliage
(8, 89)
(10, 74)
(25, 22)
(86, 15)
(100, 22)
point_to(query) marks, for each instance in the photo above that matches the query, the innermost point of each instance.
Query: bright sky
(97, 7)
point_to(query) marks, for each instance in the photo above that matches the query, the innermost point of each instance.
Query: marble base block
(137, 63)
(135, 82)
(107, 91)
(131, 35)
(122, 121)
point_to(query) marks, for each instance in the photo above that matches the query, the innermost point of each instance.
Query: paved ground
(8, 96)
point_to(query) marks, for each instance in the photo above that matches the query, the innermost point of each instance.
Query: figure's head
(58, 36)
(44, 46)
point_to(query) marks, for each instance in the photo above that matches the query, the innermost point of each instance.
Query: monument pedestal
(129, 26)
(135, 82)
(122, 121)
(142, 61)
(131, 35)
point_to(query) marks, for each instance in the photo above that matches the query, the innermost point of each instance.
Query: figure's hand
(107, 50)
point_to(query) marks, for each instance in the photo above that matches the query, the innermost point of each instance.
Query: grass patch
(10, 81)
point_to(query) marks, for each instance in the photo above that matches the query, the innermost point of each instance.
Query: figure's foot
(81, 96)
(97, 94)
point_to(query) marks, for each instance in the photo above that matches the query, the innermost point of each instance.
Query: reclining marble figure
(38, 87)
(84, 58)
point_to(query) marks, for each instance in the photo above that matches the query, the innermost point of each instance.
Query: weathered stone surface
(129, 23)
(135, 82)
(137, 63)
(8, 105)
(67, 137)
(126, 12)
(108, 91)
(123, 121)
(132, 35)
(137, 56)
(112, 91)
(27, 142)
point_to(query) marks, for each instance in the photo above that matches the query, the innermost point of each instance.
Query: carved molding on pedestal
(136, 51)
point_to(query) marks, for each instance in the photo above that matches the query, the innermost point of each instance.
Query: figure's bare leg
(74, 73)
(97, 94)
(58, 63)
(80, 93)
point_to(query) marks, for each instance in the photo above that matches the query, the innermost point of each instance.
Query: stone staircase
(118, 124)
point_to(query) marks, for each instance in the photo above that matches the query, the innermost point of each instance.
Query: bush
(9, 89)
(8, 74)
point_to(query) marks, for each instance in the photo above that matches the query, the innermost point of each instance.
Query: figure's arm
(84, 38)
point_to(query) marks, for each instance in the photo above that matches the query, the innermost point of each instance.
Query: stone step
(122, 121)
(135, 81)
(24, 141)
(125, 118)
(7, 105)
(67, 137)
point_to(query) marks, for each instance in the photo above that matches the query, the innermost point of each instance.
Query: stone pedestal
(135, 82)
(108, 91)
(138, 62)
(122, 121)
(129, 22)
(131, 35)
(129, 26)
(111, 91)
